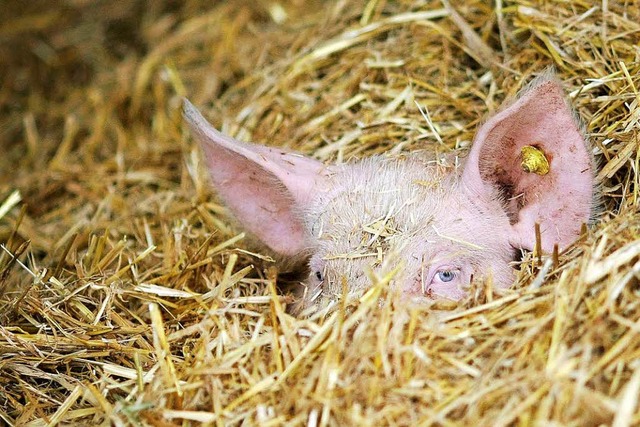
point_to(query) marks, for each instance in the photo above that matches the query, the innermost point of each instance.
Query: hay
(126, 297)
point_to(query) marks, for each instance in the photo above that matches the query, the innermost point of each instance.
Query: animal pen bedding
(129, 297)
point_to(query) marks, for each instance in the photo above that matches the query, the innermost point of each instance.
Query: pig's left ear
(267, 189)
(534, 154)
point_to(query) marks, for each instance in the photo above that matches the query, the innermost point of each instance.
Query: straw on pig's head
(447, 225)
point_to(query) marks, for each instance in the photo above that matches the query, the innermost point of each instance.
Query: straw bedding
(127, 296)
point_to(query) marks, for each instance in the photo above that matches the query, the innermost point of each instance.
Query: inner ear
(501, 165)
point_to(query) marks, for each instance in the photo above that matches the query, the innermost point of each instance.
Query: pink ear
(534, 153)
(267, 189)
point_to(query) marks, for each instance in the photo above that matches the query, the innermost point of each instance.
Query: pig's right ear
(535, 155)
(267, 189)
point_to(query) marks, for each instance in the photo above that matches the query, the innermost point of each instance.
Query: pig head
(447, 226)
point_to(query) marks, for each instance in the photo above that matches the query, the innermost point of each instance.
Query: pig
(447, 225)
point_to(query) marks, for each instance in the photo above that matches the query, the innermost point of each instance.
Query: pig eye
(446, 275)
(319, 275)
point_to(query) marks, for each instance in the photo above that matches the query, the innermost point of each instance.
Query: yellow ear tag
(534, 160)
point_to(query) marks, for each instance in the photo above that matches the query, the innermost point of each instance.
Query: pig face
(446, 226)
(414, 211)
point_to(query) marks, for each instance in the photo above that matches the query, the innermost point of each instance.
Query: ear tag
(534, 160)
